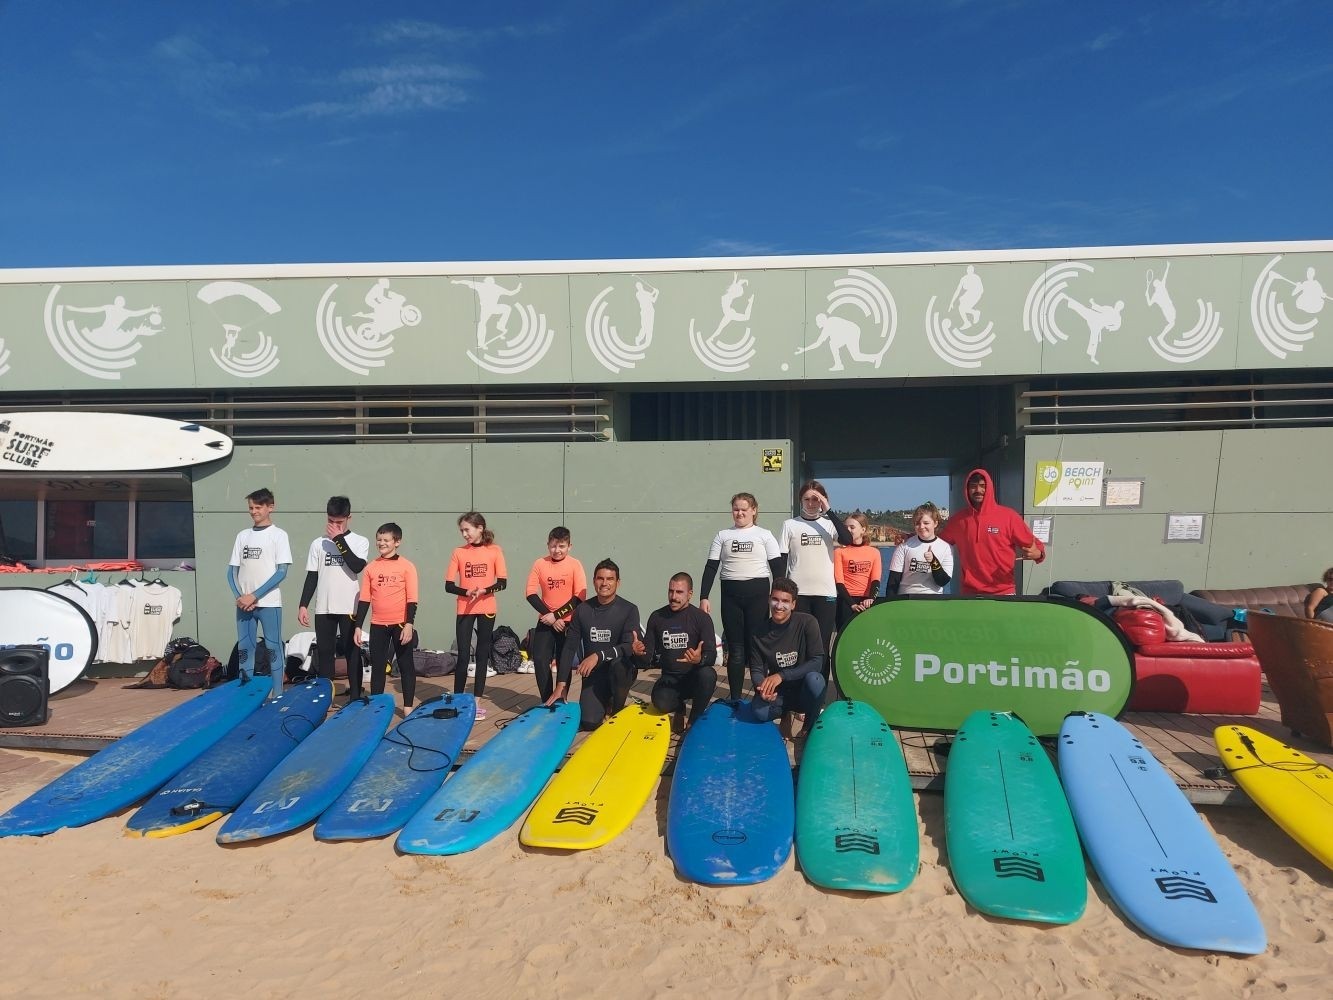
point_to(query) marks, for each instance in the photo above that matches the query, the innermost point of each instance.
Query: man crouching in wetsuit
(680, 639)
(600, 646)
(786, 661)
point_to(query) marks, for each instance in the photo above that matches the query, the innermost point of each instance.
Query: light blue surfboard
(312, 776)
(855, 813)
(493, 789)
(220, 778)
(732, 813)
(1013, 849)
(411, 762)
(1153, 853)
(135, 765)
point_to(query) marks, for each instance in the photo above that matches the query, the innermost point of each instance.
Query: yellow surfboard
(605, 784)
(1295, 791)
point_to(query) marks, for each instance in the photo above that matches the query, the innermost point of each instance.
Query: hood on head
(989, 500)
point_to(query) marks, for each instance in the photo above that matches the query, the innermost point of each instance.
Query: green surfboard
(1013, 849)
(855, 815)
(929, 662)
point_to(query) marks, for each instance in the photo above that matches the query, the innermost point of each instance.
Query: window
(163, 529)
(46, 521)
(87, 529)
(18, 529)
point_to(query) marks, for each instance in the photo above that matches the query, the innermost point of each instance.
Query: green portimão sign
(929, 662)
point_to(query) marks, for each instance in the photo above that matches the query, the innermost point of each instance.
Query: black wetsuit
(607, 630)
(669, 635)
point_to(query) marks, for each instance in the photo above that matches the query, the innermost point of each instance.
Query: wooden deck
(91, 714)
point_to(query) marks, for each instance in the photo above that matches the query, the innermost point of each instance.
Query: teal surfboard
(1013, 849)
(411, 761)
(494, 788)
(312, 776)
(930, 662)
(1154, 855)
(855, 813)
(220, 778)
(135, 765)
(732, 813)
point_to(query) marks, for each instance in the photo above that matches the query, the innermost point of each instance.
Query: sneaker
(481, 713)
(526, 667)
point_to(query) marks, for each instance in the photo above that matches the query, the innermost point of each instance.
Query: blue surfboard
(135, 765)
(1153, 853)
(493, 789)
(732, 812)
(220, 778)
(308, 779)
(411, 761)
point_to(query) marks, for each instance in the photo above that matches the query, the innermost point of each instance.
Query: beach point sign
(929, 662)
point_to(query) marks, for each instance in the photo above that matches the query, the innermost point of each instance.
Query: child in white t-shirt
(923, 564)
(259, 561)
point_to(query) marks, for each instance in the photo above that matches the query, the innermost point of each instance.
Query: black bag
(505, 655)
(233, 667)
(184, 664)
(191, 672)
(434, 662)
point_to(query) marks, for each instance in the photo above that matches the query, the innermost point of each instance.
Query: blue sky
(243, 131)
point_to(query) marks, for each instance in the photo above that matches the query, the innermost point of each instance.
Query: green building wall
(1264, 493)
(652, 507)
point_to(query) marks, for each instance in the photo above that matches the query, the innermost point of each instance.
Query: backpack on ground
(506, 657)
(184, 664)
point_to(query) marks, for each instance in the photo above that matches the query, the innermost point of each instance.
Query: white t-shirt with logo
(258, 553)
(910, 560)
(157, 608)
(809, 547)
(338, 588)
(744, 552)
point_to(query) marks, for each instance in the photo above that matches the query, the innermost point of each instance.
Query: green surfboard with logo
(930, 662)
(1013, 849)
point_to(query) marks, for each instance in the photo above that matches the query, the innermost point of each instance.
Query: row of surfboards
(1015, 830)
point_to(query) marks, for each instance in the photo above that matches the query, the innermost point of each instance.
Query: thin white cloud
(391, 89)
(410, 30)
(725, 247)
(1222, 90)
(201, 73)
(875, 141)
(936, 218)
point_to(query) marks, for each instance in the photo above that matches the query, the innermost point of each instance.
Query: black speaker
(24, 685)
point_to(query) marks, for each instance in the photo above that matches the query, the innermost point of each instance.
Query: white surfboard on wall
(69, 441)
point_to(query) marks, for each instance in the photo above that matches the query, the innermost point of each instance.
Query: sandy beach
(93, 912)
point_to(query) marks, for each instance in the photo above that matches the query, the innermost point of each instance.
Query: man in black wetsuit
(786, 661)
(681, 641)
(600, 646)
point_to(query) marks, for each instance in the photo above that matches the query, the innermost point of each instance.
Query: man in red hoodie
(988, 535)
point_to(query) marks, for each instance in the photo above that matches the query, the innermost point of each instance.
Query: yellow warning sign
(772, 460)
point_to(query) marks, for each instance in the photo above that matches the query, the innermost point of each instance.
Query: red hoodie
(986, 540)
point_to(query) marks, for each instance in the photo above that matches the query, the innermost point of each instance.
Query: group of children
(829, 568)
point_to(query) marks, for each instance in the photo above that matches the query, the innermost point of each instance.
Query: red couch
(1205, 678)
